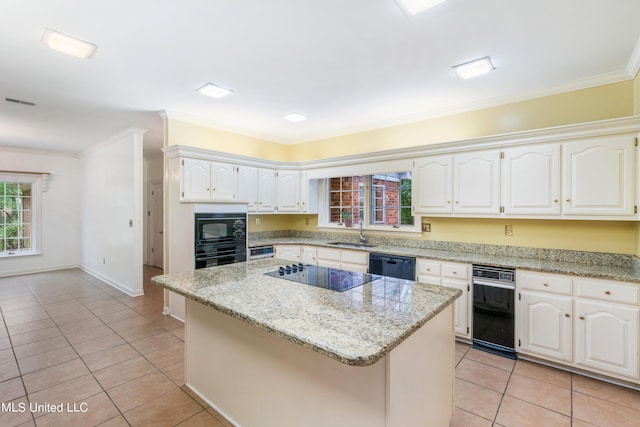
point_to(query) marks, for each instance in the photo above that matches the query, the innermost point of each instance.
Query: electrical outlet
(426, 227)
(306, 221)
(257, 221)
(508, 230)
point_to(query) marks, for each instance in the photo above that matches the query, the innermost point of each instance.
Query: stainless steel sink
(352, 245)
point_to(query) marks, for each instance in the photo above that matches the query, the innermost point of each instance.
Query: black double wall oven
(220, 238)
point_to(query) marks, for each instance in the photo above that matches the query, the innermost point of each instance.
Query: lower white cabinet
(453, 275)
(546, 325)
(606, 326)
(309, 255)
(590, 324)
(288, 252)
(343, 259)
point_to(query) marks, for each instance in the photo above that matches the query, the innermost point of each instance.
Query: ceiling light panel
(295, 117)
(413, 7)
(474, 68)
(68, 44)
(214, 91)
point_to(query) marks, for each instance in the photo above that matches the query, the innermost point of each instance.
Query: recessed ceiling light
(295, 117)
(474, 68)
(413, 7)
(214, 91)
(67, 44)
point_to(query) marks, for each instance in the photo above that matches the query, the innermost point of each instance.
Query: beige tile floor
(66, 337)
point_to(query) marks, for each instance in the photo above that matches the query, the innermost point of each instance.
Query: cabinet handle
(455, 272)
(581, 317)
(555, 200)
(449, 202)
(568, 200)
(545, 284)
(428, 269)
(607, 292)
(567, 315)
(457, 202)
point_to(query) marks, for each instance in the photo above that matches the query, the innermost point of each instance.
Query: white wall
(112, 181)
(60, 211)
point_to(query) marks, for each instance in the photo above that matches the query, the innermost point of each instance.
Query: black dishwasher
(402, 267)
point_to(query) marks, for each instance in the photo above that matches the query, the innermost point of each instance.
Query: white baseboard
(36, 270)
(111, 282)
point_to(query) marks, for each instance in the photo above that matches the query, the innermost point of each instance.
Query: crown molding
(633, 66)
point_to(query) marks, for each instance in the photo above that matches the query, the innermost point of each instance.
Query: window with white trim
(381, 200)
(19, 196)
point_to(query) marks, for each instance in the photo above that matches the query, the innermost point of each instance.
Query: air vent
(19, 101)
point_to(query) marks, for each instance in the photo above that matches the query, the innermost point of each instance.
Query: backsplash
(581, 257)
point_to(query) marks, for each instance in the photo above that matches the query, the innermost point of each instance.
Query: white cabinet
(531, 180)
(309, 255)
(248, 186)
(266, 190)
(544, 315)
(476, 182)
(598, 176)
(433, 178)
(453, 275)
(203, 180)
(607, 326)
(288, 193)
(287, 252)
(343, 259)
(462, 184)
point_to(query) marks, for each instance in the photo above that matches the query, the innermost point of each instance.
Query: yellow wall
(593, 236)
(598, 103)
(194, 135)
(283, 222)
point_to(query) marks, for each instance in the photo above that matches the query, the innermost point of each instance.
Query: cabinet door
(354, 261)
(433, 182)
(196, 179)
(223, 181)
(462, 308)
(288, 191)
(476, 183)
(287, 252)
(531, 180)
(329, 257)
(545, 325)
(266, 190)
(607, 337)
(309, 255)
(247, 190)
(598, 176)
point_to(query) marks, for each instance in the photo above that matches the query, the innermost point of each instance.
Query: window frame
(324, 219)
(36, 182)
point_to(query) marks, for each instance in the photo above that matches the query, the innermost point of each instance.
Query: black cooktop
(323, 277)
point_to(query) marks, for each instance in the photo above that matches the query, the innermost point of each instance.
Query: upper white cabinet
(598, 176)
(288, 193)
(433, 178)
(266, 190)
(531, 180)
(203, 180)
(476, 182)
(248, 186)
(465, 183)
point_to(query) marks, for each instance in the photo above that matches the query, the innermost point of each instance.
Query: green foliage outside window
(15, 216)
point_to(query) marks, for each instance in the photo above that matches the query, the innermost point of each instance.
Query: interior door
(156, 218)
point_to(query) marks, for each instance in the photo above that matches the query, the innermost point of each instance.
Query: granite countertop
(356, 327)
(598, 265)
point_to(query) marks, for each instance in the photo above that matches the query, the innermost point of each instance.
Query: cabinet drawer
(354, 257)
(626, 293)
(543, 282)
(455, 271)
(427, 267)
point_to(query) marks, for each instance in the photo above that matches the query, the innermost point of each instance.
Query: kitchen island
(270, 352)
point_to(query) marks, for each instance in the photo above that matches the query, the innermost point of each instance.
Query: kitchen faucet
(362, 238)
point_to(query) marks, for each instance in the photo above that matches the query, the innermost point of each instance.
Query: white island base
(257, 379)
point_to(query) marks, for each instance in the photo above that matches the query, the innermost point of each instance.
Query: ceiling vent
(19, 101)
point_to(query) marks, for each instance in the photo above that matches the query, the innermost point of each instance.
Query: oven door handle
(492, 284)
